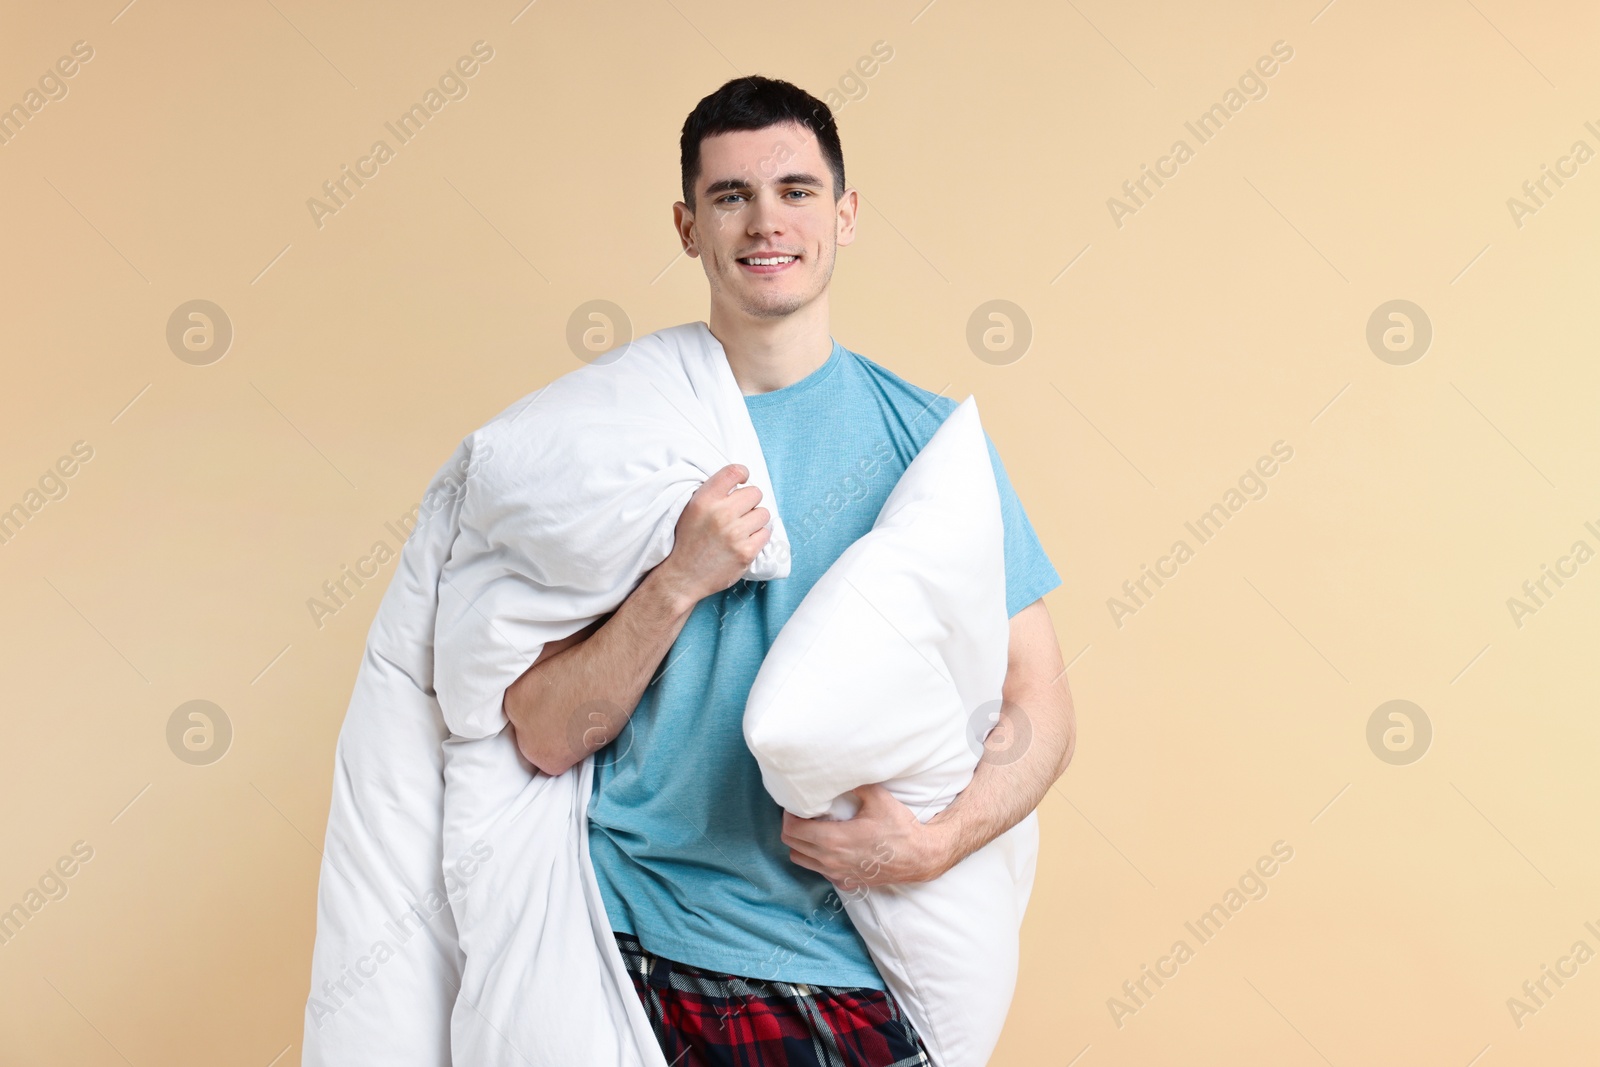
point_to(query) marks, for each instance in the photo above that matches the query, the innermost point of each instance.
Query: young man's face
(765, 194)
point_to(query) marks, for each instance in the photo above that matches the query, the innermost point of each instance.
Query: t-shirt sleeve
(1029, 572)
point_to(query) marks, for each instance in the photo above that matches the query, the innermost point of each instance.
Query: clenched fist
(719, 534)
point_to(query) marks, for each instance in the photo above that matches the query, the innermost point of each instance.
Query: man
(725, 907)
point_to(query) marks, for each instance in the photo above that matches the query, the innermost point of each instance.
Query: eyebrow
(739, 185)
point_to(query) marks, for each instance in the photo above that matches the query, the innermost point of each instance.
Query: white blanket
(557, 528)
(569, 496)
(458, 916)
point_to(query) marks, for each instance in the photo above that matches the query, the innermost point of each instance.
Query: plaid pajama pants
(705, 1019)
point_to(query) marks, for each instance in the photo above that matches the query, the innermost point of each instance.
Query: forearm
(578, 699)
(1009, 782)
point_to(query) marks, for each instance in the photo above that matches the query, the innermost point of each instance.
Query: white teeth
(772, 261)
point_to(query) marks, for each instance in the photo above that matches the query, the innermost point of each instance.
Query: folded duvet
(458, 915)
(578, 501)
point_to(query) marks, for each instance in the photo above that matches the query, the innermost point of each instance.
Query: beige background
(1229, 312)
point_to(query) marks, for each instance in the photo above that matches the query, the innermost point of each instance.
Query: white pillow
(876, 677)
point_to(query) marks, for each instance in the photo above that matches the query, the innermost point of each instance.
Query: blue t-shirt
(685, 839)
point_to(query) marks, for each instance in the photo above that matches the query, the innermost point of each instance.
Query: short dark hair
(754, 103)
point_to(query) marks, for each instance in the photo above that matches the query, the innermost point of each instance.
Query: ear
(849, 205)
(683, 223)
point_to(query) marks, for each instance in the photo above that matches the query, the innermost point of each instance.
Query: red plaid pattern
(705, 1019)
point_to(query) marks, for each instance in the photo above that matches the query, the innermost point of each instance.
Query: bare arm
(581, 690)
(1037, 735)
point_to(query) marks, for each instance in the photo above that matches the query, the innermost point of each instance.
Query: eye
(802, 192)
(729, 196)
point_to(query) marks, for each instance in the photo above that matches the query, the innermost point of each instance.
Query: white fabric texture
(458, 916)
(557, 528)
(385, 965)
(541, 522)
(890, 670)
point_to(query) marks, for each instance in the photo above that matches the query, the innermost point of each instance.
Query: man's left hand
(883, 844)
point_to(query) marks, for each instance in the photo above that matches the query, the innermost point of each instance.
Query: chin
(774, 309)
(767, 304)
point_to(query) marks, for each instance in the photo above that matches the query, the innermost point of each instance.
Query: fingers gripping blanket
(458, 915)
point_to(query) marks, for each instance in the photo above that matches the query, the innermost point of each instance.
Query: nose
(766, 218)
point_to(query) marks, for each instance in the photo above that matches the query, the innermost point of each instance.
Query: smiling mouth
(767, 264)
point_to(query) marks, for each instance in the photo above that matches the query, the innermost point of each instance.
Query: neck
(768, 354)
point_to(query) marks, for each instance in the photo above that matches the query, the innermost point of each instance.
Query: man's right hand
(718, 535)
(581, 690)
